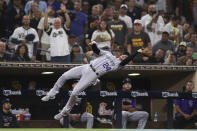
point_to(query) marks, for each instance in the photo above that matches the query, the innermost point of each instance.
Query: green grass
(75, 129)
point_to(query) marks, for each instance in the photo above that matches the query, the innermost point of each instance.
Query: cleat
(60, 115)
(47, 98)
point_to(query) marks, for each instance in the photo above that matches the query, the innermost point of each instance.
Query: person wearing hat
(139, 40)
(181, 49)
(129, 112)
(8, 119)
(78, 112)
(124, 17)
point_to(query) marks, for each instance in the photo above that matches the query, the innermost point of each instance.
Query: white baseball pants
(86, 75)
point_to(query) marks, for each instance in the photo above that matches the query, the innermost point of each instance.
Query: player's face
(127, 86)
(189, 86)
(7, 106)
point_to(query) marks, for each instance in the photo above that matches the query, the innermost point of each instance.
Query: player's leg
(141, 117)
(124, 119)
(74, 73)
(88, 118)
(86, 79)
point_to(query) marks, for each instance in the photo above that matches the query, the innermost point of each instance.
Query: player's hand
(91, 43)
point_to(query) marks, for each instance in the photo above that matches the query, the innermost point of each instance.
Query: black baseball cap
(7, 100)
(126, 80)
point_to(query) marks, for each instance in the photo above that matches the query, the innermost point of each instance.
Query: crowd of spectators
(60, 30)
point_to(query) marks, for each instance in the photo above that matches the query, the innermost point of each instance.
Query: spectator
(120, 30)
(153, 24)
(103, 36)
(139, 40)
(164, 43)
(21, 54)
(107, 15)
(78, 111)
(26, 35)
(170, 58)
(69, 4)
(79, 23)
(9, 120)
(13, 16)
(139, 3)
(91, 18)
(117, 4)
(95, 25)
(174, 29)
(77, 56)
(44, 38)
(42, 5)
(181, 50)
(3, 55)
(35, 17)
(134, 12)
(58, 37)
(193, 42)
(124, 17)
(72, 41)
(129, 112)
(157, 57)
(86, 7)
(189, 52)
(55, 5)
(186, 109)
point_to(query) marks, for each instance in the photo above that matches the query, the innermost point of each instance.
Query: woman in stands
(21, 54)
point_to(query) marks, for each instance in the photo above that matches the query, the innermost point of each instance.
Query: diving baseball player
(87, 74)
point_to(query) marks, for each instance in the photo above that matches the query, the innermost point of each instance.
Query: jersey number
(106, 66)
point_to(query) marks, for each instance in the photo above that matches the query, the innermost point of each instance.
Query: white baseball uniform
(88, 74)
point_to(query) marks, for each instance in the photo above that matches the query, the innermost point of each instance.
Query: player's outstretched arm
(130, 57)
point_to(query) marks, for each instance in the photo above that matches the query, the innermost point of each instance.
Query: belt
(94, 70)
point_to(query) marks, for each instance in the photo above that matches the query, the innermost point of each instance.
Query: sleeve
(195, 105)
(112, 33)
(130, 22)
(133, 103)
(128, 59)
(36, 36)
(97, 51)
(85, 20)
(67, 30)
(95, 33)
(177, 102)
(14, 37)
(41, 24)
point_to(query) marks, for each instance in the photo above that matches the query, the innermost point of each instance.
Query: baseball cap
(183, 44)
(124, 6)
(126, 80)
(7, 100)
(137, 21)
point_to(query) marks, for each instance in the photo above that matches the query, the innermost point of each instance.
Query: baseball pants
(140, 116)
(86, 75)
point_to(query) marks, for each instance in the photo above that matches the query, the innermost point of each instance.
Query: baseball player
(88, 74)
(129, 112)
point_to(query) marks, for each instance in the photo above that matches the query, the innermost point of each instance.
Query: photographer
(153, 24)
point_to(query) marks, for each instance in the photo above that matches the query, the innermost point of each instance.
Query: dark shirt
(135, 14)
(19, 58)
(138, 41)
(120, 31)
(6, 57)
(186, 106)
(9, 119)
(153, 60)
(11, 22)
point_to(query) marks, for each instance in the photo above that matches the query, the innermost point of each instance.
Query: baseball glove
(30, 37)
